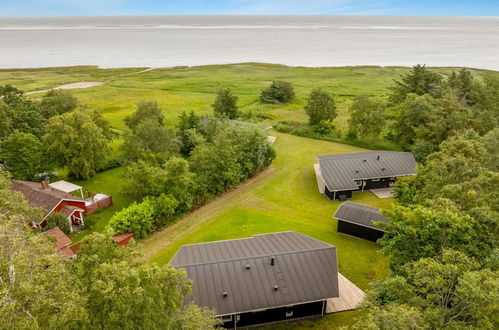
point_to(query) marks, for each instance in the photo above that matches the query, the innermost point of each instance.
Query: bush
(279, 92)
(57, 220)
(165, 208)
(136, 218)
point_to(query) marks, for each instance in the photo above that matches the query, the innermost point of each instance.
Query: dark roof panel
(360, 214)
(305, 270)
(340, 171)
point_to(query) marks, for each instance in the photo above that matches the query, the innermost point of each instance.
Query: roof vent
(224, 294)
(365, 160)
(272, 261)
(382, 168)
(276, 287)
(357, 171)
(247, 266)
(377, 157)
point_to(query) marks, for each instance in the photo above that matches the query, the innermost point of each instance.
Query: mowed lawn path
(284, 197)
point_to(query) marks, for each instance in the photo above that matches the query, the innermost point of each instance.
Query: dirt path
(160, 240)
(81, 84)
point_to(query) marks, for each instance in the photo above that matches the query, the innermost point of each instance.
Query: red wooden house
(54, 200)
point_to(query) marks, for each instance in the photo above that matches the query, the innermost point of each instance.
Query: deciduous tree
(320, 107)
(366, 117)
(56, 102)
(78, 143)
(225, 105)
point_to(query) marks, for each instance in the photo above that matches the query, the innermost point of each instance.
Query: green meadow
(284, 197)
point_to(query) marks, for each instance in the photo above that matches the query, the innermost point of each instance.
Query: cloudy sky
(316, 7)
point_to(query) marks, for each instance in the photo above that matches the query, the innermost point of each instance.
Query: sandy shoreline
(81, 84)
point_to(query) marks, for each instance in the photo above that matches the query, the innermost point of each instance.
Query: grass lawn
(285, 197)
(109, 182)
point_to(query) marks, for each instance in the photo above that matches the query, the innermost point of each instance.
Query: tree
(491, 144)
(188, 132)
(225, 105)
(5, 123)
(414, 115)
(78, 143)
(423, 232)
(463, 86)
(23, 114)
(320, 107)
(448, 291)
(462, 157)
(126, 294)
(418, 81)
(24, 156)
(366, 118)
(56, 102)
(56, 219)
(144, 179)
(179, 182)
(34, 278)
(137, 218)
(145, 111)
(278, 92)
(421, 149)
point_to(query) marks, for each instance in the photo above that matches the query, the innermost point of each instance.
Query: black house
(261, 279)
(357, 220)
(343, 174)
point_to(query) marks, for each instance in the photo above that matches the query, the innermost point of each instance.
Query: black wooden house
(357, 220)
(261, 279)
(344, 174)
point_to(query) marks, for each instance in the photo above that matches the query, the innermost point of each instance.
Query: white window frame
(289, 313)
(375, 179)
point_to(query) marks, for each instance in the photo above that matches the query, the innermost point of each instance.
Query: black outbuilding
(261, 279)
(358, 220)
(344, 174)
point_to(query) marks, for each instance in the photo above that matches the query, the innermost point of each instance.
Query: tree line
(172, 171)
(443, 235)
(37, 137)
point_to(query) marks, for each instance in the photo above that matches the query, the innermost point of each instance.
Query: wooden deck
(350, 297)
(320, 183)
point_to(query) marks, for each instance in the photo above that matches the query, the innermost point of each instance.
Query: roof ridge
(258, 257)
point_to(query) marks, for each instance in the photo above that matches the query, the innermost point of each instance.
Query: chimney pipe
(247, 266)
(45, 184)
(276, 287)
(224, 294)
(378, 157)
(272, 261)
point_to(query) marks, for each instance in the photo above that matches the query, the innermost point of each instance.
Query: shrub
(279, 92)
(136, 218)
(165, 208)
(57, 220)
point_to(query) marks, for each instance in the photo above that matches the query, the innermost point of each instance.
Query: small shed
(123, 239)
(67, 187)
(358, 220)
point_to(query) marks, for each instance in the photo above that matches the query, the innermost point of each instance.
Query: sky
(253, 7)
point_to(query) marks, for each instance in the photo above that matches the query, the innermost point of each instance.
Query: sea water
(165, 41)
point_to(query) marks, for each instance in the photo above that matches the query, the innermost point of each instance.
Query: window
(358, 182)
(226, 318)
(289, 313)
(375, 179)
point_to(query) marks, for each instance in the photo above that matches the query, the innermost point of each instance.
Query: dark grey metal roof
(340, 171)
(360, 214)
(305, 270)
